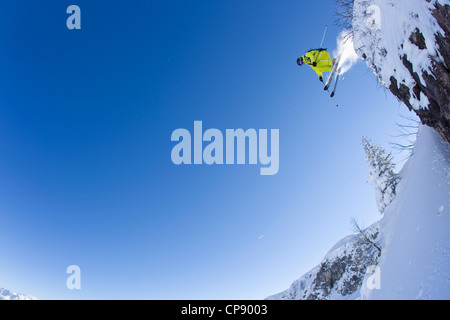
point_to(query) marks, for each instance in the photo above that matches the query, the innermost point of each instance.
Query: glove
(321, 79)
(314, 64)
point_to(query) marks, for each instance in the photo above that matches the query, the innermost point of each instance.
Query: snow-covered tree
(381, 174)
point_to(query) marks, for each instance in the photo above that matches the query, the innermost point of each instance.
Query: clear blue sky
(86, 176)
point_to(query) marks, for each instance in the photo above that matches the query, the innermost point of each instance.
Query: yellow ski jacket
(319, 60)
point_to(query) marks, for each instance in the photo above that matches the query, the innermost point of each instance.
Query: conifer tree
(381, 174)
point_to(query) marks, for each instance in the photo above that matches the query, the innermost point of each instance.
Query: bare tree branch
(344, 15)
(407, 133)
(358, 229)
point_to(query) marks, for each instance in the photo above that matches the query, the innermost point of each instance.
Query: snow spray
(346, 51)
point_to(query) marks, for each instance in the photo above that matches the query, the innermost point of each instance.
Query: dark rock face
(344, 274)
(330, 272)
(437, 80)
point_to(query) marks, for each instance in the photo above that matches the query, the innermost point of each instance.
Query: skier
(319, 60)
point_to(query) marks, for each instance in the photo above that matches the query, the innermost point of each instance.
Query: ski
(327, 84)
(335, 84)
(333, 72)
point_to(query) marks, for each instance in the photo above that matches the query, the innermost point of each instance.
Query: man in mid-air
(319, 60)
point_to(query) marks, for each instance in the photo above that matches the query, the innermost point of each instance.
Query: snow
(414, 235)
(385, 43)
(298, 287)
(10, 295)
(415, 230)
(346, 52)
(351, 253)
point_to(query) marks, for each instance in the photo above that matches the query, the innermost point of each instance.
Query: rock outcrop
(341, 273)
(408, 49)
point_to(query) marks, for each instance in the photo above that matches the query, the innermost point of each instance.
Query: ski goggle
(300, 62)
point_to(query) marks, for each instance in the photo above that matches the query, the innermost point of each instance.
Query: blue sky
(86, 176)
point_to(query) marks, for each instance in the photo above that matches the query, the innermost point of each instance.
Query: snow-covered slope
(414, 236)
(9, 295)
(381, 30)
(406, 43)
(415, 230)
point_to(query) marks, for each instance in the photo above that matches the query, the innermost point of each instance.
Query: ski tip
(332, 95)
(325, 88)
